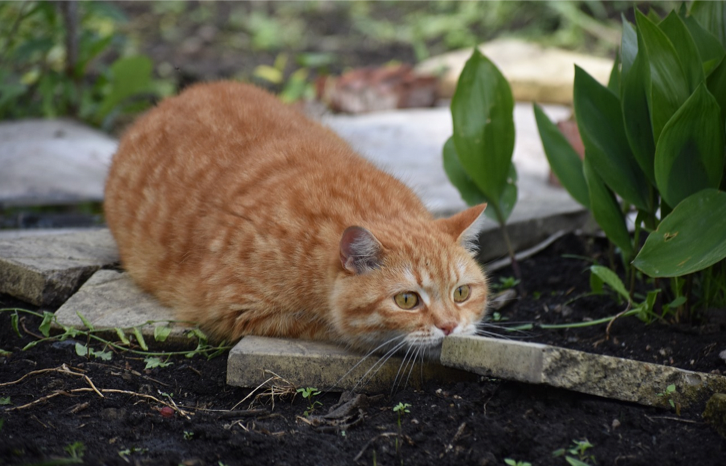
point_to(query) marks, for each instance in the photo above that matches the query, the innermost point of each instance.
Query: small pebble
(722, 355)
(616, 423)
(167, 412)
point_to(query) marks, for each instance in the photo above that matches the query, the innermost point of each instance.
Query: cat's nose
(447, 327)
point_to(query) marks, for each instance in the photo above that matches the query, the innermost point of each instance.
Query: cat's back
(224, 177)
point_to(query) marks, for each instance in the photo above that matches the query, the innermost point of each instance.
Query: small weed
(579, 448)
(401, 409)
(309, 393)
(497, 317)
(124, 454)
(5, 400)
(512, 462)
(188, 435)
(505, 283)
(153, 362)
(670, 389)
(75, 450)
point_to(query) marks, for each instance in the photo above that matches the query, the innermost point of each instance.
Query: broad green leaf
(131, 76)
(689, 239)
(611, 279)
(44, 326)
(81, 350)
(636, 117)
(709, 47)
(605, 209)
(712, 16)
(689, 156)
(161, 332)
(482, 112)
(668, 87)
(614, 79)
(458, 177)
(507, 200)
(600, 121)
(140, 339)
(563, 159)
(679, 35)
(717, 86)
(596, 284)
(628, 46)
(85, 321)
(122, 336)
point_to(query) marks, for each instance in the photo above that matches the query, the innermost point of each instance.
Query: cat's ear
(359, 250)
(465, 226)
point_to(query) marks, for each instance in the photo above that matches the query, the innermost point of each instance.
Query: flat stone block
(52, 162)
(606, 376)
(109, 299)
(46, 270)
(325, 366)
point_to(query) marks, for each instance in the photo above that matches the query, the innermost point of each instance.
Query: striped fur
(230, 207)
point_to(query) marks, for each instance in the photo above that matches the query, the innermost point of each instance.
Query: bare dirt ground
(186, 414)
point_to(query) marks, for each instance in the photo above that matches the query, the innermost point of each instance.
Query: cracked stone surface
(109, 299)
(607, 376)
(46, 270)
(325, 366)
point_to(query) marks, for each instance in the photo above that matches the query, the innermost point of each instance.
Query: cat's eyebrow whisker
(378, 365)
(370, 353)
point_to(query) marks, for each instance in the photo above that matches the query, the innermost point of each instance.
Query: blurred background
(102, 62)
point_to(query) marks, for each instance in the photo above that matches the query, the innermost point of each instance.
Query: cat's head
(410, 285)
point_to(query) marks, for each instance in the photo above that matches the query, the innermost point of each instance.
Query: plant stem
(574, 325)
(510, 250)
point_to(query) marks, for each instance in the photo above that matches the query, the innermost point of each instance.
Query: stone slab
(52, 162)
(109, 299)
(535, 73)
(325, 366)
(46, 270)
(606, 376)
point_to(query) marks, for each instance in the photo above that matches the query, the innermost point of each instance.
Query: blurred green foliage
(50, 63)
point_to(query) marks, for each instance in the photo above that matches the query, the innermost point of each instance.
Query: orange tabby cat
(250, 219)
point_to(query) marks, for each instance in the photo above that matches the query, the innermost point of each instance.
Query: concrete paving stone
(46, 270)
(325, 366)
(606, 376)
(535, 73)
(109, 299)
(47, 162)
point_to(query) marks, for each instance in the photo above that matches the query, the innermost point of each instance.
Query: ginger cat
(250, 219)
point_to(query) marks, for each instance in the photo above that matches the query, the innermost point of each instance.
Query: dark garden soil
(478, 423)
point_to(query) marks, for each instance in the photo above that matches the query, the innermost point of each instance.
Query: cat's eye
(461, 293)
(406, 300)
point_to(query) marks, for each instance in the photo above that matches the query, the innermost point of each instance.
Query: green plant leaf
(689, 239)
(605, 209)
(103, 355)
(611, 279)
(507, 200)
(153, 362)
(14, 319)
(563, 159)
(81, 350)
(614, 79)
(717, 86)
(85, 321)
(600, 121)
(636, 117)
(575, 462)
(140, 339)
(482, 111)
(689, 156)
(130, 76)
(161, 332)
(709, 48)
(680, 36)
(712, 16)
(668, 87)
(122, 336)
(44, 326)
(628, 46)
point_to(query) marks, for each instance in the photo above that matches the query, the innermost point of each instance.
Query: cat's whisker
(403, 362)
(370, 353)
(413, 364)
(378, 365)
